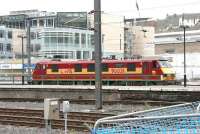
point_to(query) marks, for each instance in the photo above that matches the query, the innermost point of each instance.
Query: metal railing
(174, 124)
(180, 119)
(13, 78)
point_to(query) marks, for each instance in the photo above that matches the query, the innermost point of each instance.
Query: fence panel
(178, 119)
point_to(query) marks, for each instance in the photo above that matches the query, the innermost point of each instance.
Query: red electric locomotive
(114, 72)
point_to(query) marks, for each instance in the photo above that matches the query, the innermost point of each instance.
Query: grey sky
(148, 8)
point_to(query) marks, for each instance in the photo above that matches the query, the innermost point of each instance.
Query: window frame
(91, 67)
(105, 67)
(54, 68)
(118, 65)
(10, 35)
(78, 67)
(77, 38)
(131, 68)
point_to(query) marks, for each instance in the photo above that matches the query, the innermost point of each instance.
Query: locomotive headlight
(161, 77)
(169, 76)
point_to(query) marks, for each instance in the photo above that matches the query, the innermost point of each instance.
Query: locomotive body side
(113, 71)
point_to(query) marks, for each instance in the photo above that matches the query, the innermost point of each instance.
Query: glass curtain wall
(68, 45)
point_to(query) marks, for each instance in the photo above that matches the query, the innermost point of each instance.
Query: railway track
(34, 118)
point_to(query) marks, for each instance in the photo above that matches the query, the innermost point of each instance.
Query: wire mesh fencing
(178, 119)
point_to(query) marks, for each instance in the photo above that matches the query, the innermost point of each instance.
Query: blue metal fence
(178, 119)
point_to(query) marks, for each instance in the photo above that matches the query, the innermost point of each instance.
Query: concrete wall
(112, 34)
(17, 42)
(157, 93)
(193, 47)
(142, 41)
(67, 93)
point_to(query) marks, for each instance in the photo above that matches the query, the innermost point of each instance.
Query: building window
(53, 40)
(78, 67)
(89, 39)
(1, 34)
(1, 46)
(60, 39)
(33, 35)
(66, 40)
(85, 54)
(90, 68)
(54, 68)
(93, 55)
(131, 67)
(49, 22)
(77, 38)
(78, 54)
(69, 55)
(8, 47)
(9, 34)
(38, 35)
(83, 39)
(46, 40)
(22, 24)
(37, 47)
(34, 23)
(71, 39)
(105, 67)
(92, 40)
(41, 23)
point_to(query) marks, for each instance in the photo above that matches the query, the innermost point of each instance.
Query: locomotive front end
(167, 71)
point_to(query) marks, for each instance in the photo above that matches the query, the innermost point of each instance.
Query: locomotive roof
(91, 61)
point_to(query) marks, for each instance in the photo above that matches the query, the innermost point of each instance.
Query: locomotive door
(146, 70)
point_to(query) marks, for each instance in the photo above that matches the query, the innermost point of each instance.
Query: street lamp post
(184, 49)
(184, 53)
(185, 77)
(28, 35)
(22, 38)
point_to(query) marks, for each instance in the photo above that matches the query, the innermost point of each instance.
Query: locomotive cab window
(105, 67)
(131, 67)
(78, 68)
(43, 67)
(54, 68)
(155, 65)
(164, 63)
(90, 68)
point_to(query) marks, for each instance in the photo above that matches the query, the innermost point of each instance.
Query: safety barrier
(178, 119)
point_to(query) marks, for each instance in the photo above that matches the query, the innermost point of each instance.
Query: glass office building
(17, 19)
(67, 43)
(5, 42)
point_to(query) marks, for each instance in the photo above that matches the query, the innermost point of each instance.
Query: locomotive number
(66, 71)
(117, 71)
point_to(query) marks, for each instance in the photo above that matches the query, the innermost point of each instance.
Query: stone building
(139, 41)
(172, 42)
